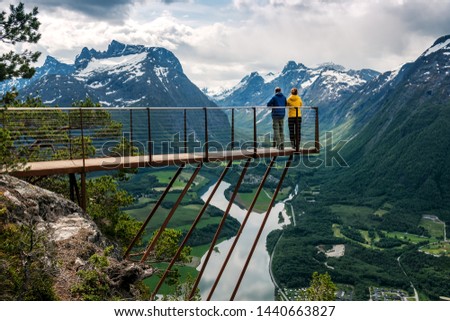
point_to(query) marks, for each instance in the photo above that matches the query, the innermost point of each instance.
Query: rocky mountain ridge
(123, 75)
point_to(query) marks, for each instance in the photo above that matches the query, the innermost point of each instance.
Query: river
(256, 284)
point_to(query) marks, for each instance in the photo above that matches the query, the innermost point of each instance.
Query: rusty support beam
(219, 229)
(172, 211)
(74, 191)
(241, 228)
(83, 203)
(153, 211)
(188, 235)
(269, 209)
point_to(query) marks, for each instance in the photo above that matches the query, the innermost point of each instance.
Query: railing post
(149, 132)
(232, 128)
(83, 174)
(185, 131)
(130, 149)
(297, 131)
(70, 136)
(317, 138)
(206, 151)
(255, 142)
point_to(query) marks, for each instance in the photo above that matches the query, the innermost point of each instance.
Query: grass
(411, 238)
(436, 229)
(354, 215)
(185, 214)
(264, 198)
(164, 177)
(439, 248)
(182, 218)
(185, 272)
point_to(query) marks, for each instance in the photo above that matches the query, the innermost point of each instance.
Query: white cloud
(219, 43)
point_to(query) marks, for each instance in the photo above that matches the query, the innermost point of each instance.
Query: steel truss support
(188, 235)
(219, 229)
(269, 209)
(73, 188)
(153, 211)
(172, 211)
(239, 233)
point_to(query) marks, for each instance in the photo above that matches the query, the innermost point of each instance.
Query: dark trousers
(278, 131)
(294, 131)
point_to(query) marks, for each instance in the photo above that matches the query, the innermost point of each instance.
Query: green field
(185, 272)
(185, 213)
(411, 238)
(354, 215)
(264, 198)
(164, 177)
(406, 237)
(436, 229)
(439, 248)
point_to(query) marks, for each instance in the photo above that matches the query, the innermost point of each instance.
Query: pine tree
(18, 26)
(321, 288)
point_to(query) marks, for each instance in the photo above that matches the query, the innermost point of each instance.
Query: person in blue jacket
(278, 105)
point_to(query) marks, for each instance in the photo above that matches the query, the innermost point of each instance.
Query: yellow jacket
(293, 103)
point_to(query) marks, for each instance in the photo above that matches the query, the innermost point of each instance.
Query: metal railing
(48, 134)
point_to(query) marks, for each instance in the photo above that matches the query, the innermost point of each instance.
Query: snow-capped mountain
(424, 79)
(123, 75)
(327, 86)
(400, 127)
(127, 76)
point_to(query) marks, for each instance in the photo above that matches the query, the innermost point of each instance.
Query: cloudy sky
(218, 42)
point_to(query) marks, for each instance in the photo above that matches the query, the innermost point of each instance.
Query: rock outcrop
(70, 236)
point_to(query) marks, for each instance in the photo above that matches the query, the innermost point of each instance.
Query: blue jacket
(278, 100)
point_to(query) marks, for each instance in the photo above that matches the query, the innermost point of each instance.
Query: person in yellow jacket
(294, 102)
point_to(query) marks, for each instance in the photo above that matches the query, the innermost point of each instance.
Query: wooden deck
(113, 163)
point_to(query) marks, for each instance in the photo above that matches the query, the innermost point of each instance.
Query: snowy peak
(117, 49)
(82, 60)
(253, 77)
(331, 66)
(131, 64)
(327, 83)
(53, 66)
(441, 45)
(122, 75)
(292, 66)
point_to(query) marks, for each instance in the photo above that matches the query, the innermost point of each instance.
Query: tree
(167, 246)
(18, 26)
(104, 205)
(321, 288)
(25, 270)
